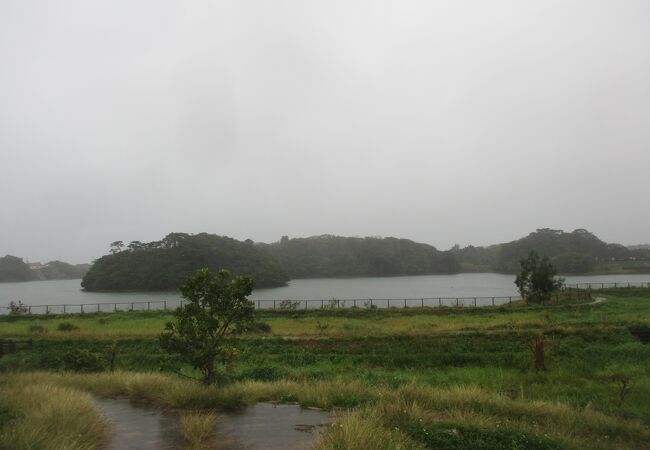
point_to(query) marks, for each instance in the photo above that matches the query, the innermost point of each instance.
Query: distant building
(35, 265)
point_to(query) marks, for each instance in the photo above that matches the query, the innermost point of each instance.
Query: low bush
(82, 360)
(36, 327)
(67, 326)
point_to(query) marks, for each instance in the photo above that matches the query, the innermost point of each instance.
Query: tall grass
(382, 408)
(197, 429)
(49, 416)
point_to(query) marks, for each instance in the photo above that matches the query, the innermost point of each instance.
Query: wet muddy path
(262, 426)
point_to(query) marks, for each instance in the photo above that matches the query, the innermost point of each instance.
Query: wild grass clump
(67, 326)
(197, 429)
(49, 417)
(363, 430)
(409, 416)
(36, 327)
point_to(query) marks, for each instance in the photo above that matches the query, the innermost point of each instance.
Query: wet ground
(140, 427)
(269, 426)
(262, 426)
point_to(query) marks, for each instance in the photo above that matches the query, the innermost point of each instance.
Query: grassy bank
(415, 378)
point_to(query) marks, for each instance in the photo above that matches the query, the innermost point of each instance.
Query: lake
(57, 292)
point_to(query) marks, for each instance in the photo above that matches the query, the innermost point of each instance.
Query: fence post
(64, 308)
(474, 302)
(354, 302)
(423, 303)
(114, 307)
(97, 307)
(148, 306)
(404, 303)
(258, 304)
(439, 301)
(82, 308)
(510, 299)
(371, 303)
(273, 304)
(492, 301)
(165, 306)
(47, 309)
(305, 304)
(456, 302)
(388, 303)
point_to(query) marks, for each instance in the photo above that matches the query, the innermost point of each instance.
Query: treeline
(337, 256)
(578, 251)
(166, 264)
(13, 268)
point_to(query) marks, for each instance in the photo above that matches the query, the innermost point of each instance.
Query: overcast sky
(470, 122)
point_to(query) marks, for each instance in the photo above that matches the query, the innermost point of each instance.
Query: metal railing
(617, 284)
(290, 304)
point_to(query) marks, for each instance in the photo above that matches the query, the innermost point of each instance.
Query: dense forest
(166, 264)
(578, 251)
(337, 256)
(13, 268)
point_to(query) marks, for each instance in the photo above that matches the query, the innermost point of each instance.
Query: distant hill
(166, 264)
(13, 268)
(338, 256)
(578, 251)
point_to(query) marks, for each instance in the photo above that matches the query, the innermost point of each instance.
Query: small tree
(536, 279)
(217, 308)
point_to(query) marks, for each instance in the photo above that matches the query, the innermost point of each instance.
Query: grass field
(411, 378)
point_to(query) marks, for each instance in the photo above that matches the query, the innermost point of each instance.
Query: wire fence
(615, 285)
(571, 293)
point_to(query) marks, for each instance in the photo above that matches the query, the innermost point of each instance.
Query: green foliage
(165, 264)
(13, 268)
(536, 278)
(36, 327)
(83, 360)
(578, 251)
(338, 256)
(260, 327)
(59, 270)
(67, 326)
(218, 307)
(449, 436)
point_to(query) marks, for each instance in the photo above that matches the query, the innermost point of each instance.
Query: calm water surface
(56, 292)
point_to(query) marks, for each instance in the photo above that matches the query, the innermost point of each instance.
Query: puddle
(262, 426)
(139, 427)
(269, 426)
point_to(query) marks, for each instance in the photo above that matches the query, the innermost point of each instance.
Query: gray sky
(470, 122)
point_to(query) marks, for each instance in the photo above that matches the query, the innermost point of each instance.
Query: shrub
(263, 373)
(289, 304)
(36, 327)
(537, 347)
(17, 309)
(67, 326)
(260, 327)
(82, 360)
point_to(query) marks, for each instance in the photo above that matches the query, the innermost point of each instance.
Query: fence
(288, 304)
(624, 284)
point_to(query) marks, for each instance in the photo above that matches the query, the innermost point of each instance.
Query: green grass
(463, 378)
(48, 416)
